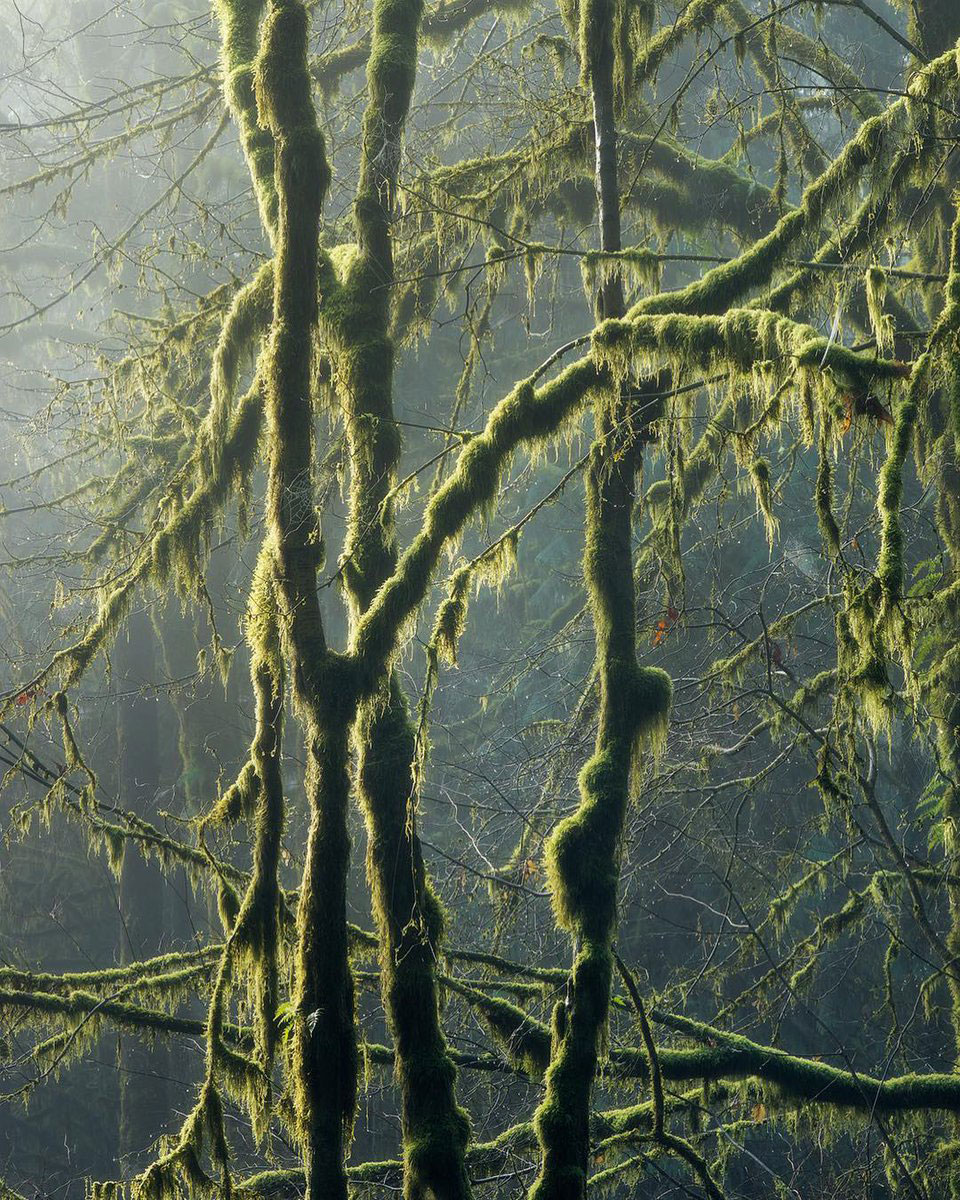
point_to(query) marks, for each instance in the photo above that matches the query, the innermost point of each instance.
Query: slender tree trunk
(583, 854)
(324, 1041)
(934, 28)
(408, 916)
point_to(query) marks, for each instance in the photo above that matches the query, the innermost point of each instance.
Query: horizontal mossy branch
(727, 1057)
(57, 1010)
(150, 971)
(611, 1129)
(807, 1081)
(143, 971)
(743, 340)
(550, 975)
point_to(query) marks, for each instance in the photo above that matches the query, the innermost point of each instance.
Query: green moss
(323, 1052)
(870, 151)
(823, 494)
(763, 490)
(247, 319)
(525, 1041)
(890, 569)
(526, 416)
(239, 22)
(410, 926)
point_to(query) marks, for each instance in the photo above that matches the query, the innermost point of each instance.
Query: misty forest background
(673, 284)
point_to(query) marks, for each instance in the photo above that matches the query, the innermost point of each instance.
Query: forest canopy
(480, 514)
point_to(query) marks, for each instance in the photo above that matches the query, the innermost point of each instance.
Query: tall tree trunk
(324, 1035)
(934, 28)
(583, 853)
(934, 25)
(408, 916)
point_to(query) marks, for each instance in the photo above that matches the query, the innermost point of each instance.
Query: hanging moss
(640, 265)
(868, 151)
(763, 490)
(235, 802)
(525, 416)
(880, 321)
(247, 319)
(798, 1079)
(745, 340)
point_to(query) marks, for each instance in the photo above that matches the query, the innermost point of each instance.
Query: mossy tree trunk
(935, 27)
(583, 853)
(408, 916)
(280, 143)
(324, 1036)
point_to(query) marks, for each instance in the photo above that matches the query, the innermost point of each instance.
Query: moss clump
(763, 490)
(582, 852)
(525, 1041)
